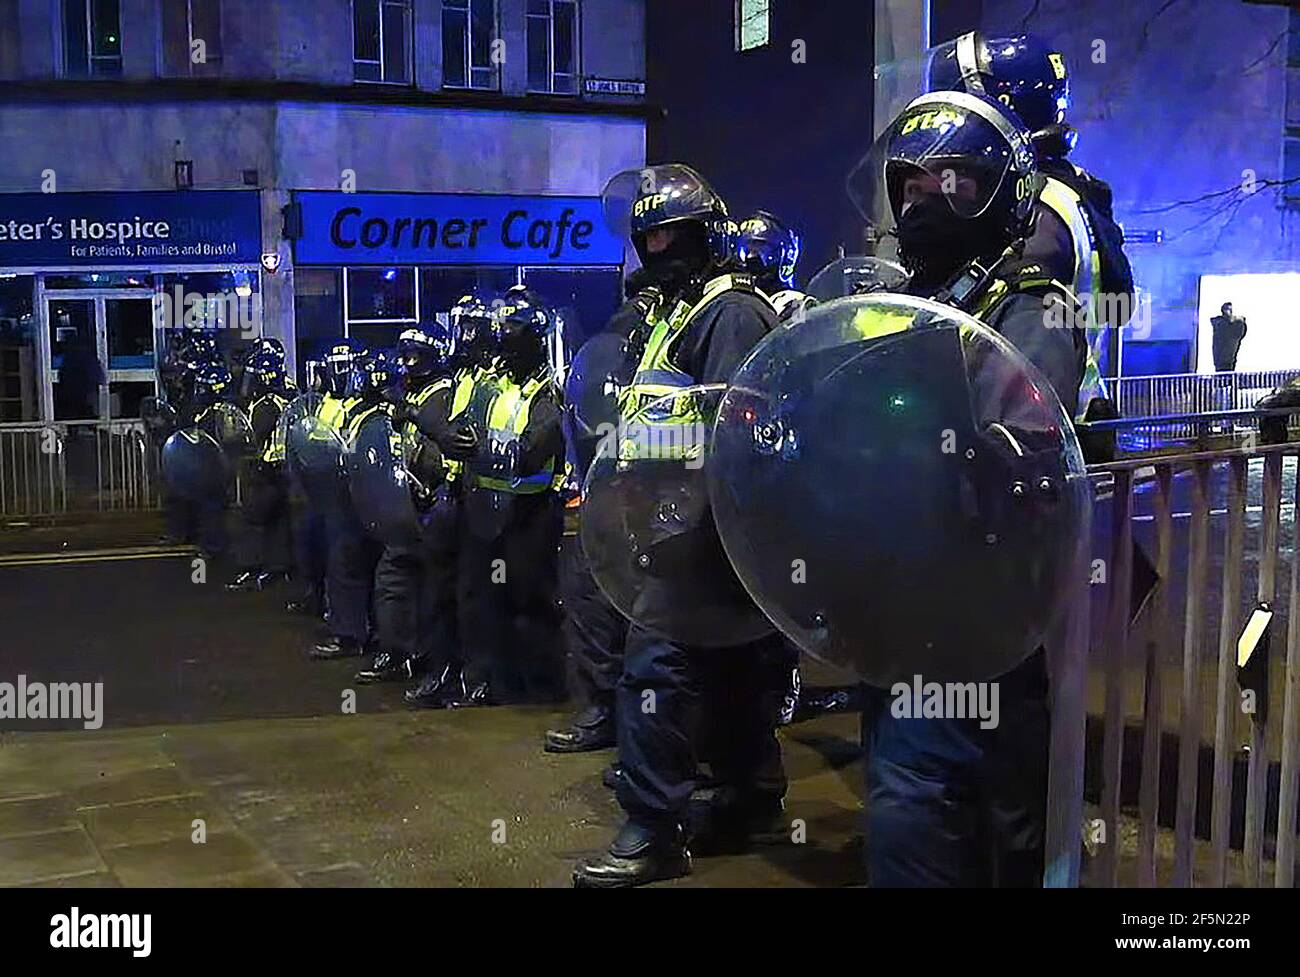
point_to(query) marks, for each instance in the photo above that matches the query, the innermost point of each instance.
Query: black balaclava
(934, 243)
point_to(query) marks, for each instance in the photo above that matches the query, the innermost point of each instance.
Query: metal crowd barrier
(32, 476)
(1141, 686)
(1194, 393)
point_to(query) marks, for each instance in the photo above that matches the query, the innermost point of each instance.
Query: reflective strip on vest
(508, 414)
(1068, 206)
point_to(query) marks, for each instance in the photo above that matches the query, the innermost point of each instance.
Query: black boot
(724, 823)
(386, 668)
(437, 689)
(336, 647)
(639, 855)
(612, 775)
(475, 695)
(269, 578)
(591, 729)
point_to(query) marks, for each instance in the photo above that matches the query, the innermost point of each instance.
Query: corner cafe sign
(455, 229)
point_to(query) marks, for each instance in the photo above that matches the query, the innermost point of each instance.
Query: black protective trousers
(415, 594)
(264, 540)
(593, 631)
(506, 598)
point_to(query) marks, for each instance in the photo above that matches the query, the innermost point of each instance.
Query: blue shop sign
(452, 229)
(154, 227)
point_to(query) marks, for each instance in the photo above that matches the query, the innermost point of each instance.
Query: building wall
(129, 140)
(1190, 97)
(768, 131)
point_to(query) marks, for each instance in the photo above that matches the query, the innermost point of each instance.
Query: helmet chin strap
(970, 63)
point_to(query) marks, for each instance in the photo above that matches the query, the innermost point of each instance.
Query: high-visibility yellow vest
(273, 451)
(506, 422)
(672, 429)
(1086, 284)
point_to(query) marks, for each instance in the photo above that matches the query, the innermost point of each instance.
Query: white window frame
(189, 34)
(409, 43)
(549, 17)
(470, 67)
(745, 10)
(91, 57)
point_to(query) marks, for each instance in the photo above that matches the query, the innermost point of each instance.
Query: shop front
(368, 265)
(91, 284)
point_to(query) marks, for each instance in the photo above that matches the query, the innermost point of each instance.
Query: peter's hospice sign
(455, 229)
(140, 229)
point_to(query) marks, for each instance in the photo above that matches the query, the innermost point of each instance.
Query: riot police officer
(351, 554)
(201, 520)
(951, 803)
(768, 249)
(443, 420)
(415, 611)
(264, 541)
(684, 238)
(1075, 237)
(511, 515)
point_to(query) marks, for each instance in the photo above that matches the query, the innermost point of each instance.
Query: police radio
(973, 282)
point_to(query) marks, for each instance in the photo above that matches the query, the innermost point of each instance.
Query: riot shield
(229, 427)
(313, 449)
(648, 532)
(591, 389)
(381, 483)
(900, 491)
(857, 275)
(194, 466)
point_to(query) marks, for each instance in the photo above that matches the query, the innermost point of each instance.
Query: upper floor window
(92, 38)
(468, 38)
(553, 46)
(381, 41)
(753, 24)
(191, 31)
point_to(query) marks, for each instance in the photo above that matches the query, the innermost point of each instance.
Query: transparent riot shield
(493, 480)
(381, 484)
(230, 427)
(900, 491)
(599, 369)
(647, 529)
(194, 466)
(313, 449)
(857, 275)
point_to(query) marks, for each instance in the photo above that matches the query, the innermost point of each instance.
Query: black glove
(402, 412)
(463, 443)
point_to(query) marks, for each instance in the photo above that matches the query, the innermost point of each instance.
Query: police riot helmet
(471, 330)
(523, 327)
(210, 383)
(961, 180)
(425, 352)
(269, 348)
(768, 248)
(340, 362)
(671, 196)
(1022, 72)
(375, 372)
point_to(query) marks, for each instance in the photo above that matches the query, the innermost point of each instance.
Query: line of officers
(467, 606)
(414, 498)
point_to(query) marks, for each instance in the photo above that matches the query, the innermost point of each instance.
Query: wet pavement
(213, 713)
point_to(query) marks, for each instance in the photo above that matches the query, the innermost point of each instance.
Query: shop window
(191, 33)
(553, 46)
(92, 38)
(317, 312)
(469, 29)
(753, 24)
(381, 41)
(441, 288)
(19, 392)
(585, 299)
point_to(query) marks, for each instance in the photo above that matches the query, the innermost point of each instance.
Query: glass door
(101, 353)
(76, 363)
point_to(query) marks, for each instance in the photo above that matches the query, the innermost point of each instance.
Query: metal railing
(1190, 512)
(1194, 393)
(77, 466)
(32, 477)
